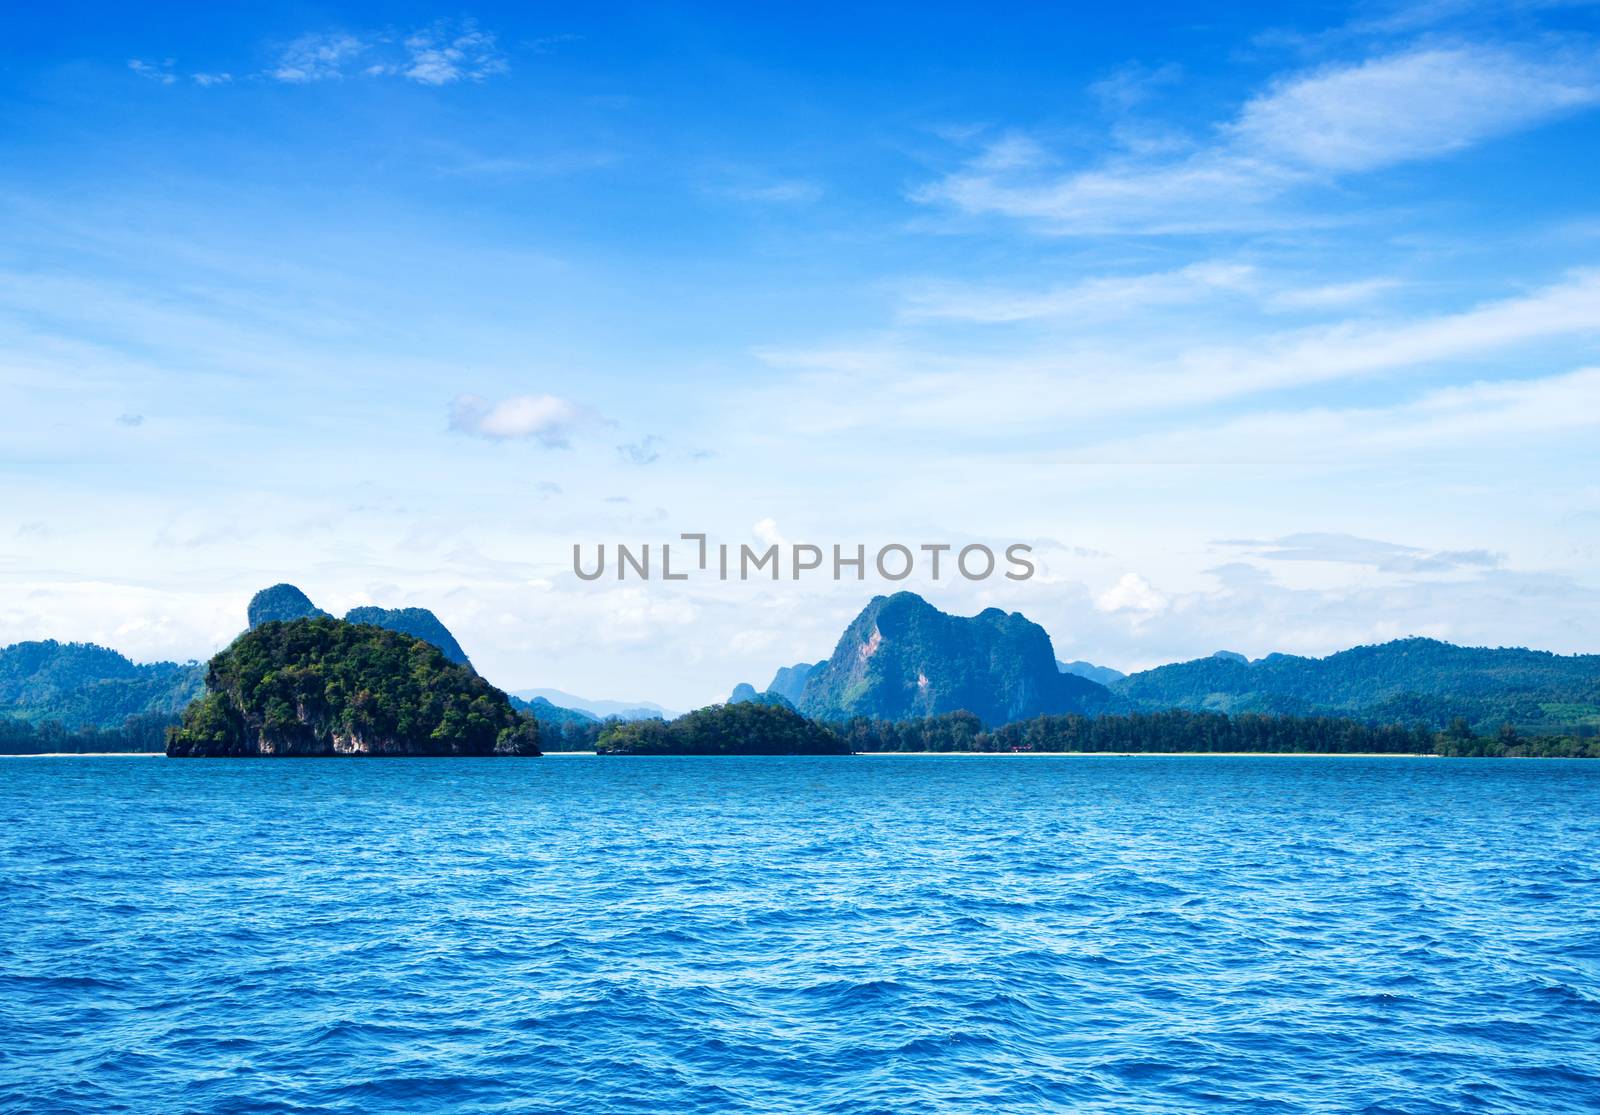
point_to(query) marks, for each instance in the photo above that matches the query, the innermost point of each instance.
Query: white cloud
(1104, 298)
(317, 57)
(1331, 296)
(159, 72)
(1133, 84)
(1476, 415)
(439, 55)
(1100, 298)
(767, 532)
(1348, 549)
(838, 389)
(1309, 129)
(544, 418)
(442, 55)
(1131, 593)
(1417, 105)
(211, 79)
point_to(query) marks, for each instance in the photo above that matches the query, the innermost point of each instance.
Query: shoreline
(1160, 754)
(85, 755)
(909, 755)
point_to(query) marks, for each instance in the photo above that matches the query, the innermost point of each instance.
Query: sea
(853, 934)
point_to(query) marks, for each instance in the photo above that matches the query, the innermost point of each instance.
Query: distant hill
(81, 685)
(601, 710)
(1421, 681)
(788, 683)
(549, 713)
(902, 658)
(1104, 675)
(325, 687)
(419, 623)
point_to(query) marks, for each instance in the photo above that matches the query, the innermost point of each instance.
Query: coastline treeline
(1175, 730)
(956, 732)
(748, 728)
(1179, 730)
(143, 732)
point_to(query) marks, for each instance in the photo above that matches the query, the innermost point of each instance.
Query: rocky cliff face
(903, 658)
(322, 687)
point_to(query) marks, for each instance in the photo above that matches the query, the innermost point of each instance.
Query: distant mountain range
(902, 658)
(789, 683)
(1104, 675)
(598, 710)
(81, 685)
(899, 659)
(1407, 681)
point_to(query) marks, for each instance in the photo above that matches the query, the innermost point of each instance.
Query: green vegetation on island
(747, 728)
(904, 677)
(1182, 731)
(419, 623)
(285, 602)
(325, 687)
(79, 697)
(1409, 681)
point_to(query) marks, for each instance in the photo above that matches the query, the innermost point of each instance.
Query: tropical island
(747, 728)
(321, 686)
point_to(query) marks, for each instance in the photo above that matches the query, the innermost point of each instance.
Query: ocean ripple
(845, 935)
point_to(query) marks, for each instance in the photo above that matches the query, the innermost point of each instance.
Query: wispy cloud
(1310, 129)
(1111, 297)
(1474, 416)
(1348, 549)
(159, 72)
(1332, 295)
(1132, 84)
(441, 54)
(444, 54)
(645, 451)
(1100, 297)
(923, 387)
(547, 419)
(322, 56)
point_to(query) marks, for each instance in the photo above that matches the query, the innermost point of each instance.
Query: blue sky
(1271, 330)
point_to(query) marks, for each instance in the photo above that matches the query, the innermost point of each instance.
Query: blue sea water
(853, 935)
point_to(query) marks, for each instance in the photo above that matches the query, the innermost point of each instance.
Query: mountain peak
(901, 657)
(281, 603)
